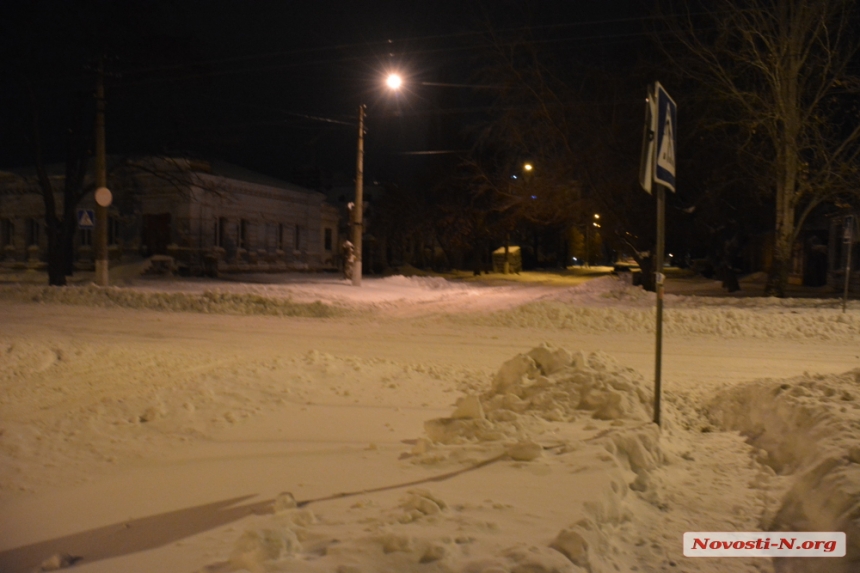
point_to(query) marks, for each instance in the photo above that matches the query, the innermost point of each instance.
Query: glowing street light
(394, 81)
(588, 239)
(528, 166)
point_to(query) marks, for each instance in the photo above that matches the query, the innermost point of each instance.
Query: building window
(221, 232)
(328, 239)
(243, 234)
(271, 240)
(86, 237)
(113, 231)
(7, 232)
(33, 229)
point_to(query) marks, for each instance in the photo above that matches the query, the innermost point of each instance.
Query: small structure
(839, 248)
(515, 259)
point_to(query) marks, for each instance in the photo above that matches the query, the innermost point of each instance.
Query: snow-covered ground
(297, 423)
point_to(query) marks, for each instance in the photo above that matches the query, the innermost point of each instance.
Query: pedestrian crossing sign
(86, 218)
(667, 121)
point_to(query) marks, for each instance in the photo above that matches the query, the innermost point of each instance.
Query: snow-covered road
(159, 440)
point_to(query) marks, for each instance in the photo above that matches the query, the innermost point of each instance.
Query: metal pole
(587, 247)
(849, 239)
(101, 277)
(658, 284)
(359, 199)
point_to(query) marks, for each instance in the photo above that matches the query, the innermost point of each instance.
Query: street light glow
(528, 167)
(394, 81)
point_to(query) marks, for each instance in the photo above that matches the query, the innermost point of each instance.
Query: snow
(297, 423)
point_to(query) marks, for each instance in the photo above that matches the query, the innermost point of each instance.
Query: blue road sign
(86, 218)
(667, 121)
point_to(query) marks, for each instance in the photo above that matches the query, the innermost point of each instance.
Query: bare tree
(781, 70)
(61, 224)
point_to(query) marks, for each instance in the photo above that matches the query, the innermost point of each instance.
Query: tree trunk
(564, 256)
(786, 190)
(56, 260)
(777, 279)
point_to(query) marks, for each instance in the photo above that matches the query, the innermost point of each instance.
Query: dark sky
(274, 85)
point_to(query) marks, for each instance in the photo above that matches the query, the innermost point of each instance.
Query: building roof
(231, 171)
(216, 168)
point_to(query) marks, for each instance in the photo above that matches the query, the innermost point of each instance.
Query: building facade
(205, 216)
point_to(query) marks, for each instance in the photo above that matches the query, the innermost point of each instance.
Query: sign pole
(656, 174)
(658, 287)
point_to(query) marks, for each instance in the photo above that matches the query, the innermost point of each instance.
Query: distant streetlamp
(594, 223)
(394, 82)
(528, 166)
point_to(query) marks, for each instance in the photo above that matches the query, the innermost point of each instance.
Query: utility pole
(102, 194)
(359, 199)
(587, 248)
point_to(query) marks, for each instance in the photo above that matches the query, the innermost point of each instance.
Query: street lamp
(394, 82)
(588, 240)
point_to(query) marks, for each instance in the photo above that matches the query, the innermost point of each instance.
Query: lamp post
(357, 219)
(588, 239)
(393, 81)
(102, 194)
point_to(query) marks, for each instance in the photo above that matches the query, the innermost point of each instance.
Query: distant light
(394, 81)
(534, 196)
(513, 176)
(596, 216)
(670, 254)
(574, 258)
(528, 167)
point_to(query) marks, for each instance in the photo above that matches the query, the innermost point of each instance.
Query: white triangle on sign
(666, 154)
(85, 220)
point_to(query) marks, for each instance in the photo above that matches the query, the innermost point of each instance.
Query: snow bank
(808, 429)
(728, 321)
(209, 301)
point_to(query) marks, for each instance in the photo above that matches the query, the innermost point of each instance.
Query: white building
(207, 216)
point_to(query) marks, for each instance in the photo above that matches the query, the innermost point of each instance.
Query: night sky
(273, 85)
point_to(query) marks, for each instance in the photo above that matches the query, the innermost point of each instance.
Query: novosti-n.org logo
(764, 544)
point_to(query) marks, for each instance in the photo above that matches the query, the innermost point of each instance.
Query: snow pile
(429, 283)
(545, 384)
(614, 291)
(607, 289)
(528, 418)
(808, 429)
(209, 301)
